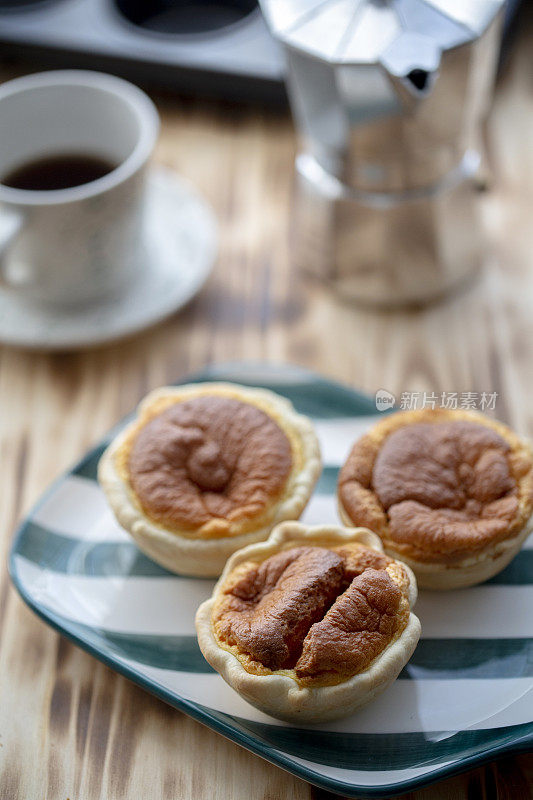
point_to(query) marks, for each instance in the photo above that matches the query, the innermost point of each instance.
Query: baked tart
(449, 492)
(205, 469)
(312, 623)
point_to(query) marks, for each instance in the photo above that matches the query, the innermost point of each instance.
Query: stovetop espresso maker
(389, 98)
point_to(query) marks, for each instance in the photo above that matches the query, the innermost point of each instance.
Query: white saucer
(180, 252)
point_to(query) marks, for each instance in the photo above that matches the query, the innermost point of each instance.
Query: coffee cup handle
(11, 224)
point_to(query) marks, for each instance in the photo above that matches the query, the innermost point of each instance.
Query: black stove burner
(185, 16)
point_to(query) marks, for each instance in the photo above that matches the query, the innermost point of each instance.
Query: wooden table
(70, 727)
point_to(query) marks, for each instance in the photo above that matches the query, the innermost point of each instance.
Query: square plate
(464, 698)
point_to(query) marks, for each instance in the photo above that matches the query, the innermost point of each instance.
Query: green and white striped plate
(464, 698)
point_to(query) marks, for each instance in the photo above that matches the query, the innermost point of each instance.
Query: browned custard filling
(208, 461)
(436, 490)
(319, 614)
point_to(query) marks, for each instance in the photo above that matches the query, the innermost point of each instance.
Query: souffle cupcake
(449, 492)
(311, 624)
(205, 469)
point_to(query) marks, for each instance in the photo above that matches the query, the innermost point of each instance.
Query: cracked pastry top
(321, 614)
(206, 468)
(321, 609)
(446, 491)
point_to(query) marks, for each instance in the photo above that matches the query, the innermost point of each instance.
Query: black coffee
(57, 172)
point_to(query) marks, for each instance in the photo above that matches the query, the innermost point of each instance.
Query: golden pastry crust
(450, 492)
(205, 469)
(311, 624)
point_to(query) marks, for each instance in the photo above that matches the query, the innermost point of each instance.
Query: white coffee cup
(82, 243)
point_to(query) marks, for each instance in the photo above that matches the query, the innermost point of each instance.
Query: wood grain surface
(70, 727)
